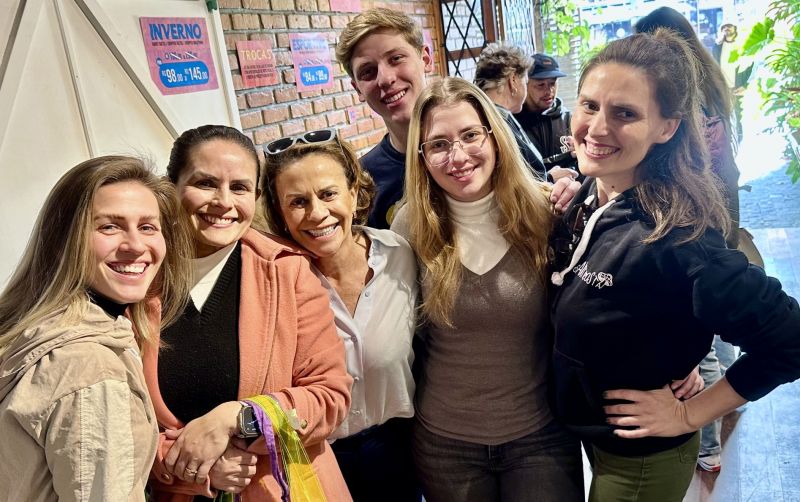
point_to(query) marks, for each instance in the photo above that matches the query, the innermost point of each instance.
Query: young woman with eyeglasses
(258, 323)
(319, 196)
(479, 223)
(647, 279)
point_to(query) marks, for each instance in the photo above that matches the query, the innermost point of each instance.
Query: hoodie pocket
(576, 400)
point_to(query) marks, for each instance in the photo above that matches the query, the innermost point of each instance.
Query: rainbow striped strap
(298, 481)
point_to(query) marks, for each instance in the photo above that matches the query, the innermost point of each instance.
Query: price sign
(178, 54)
(312, 61)
(256, 63)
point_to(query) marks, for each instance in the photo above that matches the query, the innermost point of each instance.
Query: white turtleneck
(206, 271)
(480, 244)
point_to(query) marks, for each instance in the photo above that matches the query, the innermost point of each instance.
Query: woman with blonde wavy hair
(479, 223)
(74, 410)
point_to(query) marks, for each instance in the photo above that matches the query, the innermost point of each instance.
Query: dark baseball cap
(544, 67)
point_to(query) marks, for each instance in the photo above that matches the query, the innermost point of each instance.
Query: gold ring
(193, 472)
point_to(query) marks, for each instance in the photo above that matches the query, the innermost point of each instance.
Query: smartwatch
(248, 425)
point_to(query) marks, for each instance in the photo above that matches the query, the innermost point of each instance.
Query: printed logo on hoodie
(597, 279)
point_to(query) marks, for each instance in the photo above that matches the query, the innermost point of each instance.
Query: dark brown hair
(186, 142)
(338, 150)
(677, 188)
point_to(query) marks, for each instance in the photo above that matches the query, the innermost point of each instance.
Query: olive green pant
(661, 477)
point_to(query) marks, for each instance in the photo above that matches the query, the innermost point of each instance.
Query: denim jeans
(712, 369)
(376, 463)
(726, 353)
(710, 434)
(543, 466)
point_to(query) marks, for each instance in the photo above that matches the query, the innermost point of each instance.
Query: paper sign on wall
(179, 54)
(312, 61)
(256, 63)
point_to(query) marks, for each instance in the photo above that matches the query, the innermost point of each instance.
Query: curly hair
(498, 62)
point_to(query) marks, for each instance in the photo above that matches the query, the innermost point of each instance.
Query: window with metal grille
(469, 25)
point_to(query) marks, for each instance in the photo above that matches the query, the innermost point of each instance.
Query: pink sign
(179, 54)
(256, 63)
(346, 5)
(312, 61)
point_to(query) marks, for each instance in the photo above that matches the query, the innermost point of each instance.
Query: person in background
(543, 116)
(258, 323)
(502, 73)
(319, 196)
(76, 418)
(479, 222)
(735, 76)
(382, 51)
(652, 213)
(716, 102)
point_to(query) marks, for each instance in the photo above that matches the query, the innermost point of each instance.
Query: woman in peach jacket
(258, 323)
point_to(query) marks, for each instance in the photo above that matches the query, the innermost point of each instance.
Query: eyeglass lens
(439, 151)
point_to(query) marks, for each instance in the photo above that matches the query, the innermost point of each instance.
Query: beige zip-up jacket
(76, 421)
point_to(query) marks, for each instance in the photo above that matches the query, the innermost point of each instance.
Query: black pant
(377, 463)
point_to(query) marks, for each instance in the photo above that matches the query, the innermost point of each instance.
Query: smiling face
(316, 204)
(464, 177)
(218, 190)
(127, 241)
(389, 74)
(616, 123)
(541, 93)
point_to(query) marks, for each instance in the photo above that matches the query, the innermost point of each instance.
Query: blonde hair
(677, 189)
(57, 266)
(498, 62)
(373, 20)
(525, 215)
(338, 150)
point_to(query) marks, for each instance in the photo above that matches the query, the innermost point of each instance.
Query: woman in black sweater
(645, 279)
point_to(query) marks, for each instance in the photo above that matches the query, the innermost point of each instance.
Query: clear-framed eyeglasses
(437, 152)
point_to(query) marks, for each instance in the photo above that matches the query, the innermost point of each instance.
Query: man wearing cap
(544, 120)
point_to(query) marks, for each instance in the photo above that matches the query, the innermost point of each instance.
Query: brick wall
(271, 112)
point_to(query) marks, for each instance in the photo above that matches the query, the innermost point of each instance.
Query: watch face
(248, 424)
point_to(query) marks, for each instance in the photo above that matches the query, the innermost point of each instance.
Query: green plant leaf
(761, 35)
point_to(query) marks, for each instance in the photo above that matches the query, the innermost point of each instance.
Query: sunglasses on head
(283, 144)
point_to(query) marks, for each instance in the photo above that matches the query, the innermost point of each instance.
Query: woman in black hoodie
(644, 278)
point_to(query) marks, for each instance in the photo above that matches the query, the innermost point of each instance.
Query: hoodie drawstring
(557, 278)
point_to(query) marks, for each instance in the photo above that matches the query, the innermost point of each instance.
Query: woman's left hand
(689, 386)
(564, 190)
(655, 413)
(203, 441)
